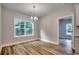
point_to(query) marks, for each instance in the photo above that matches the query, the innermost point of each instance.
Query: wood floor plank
(25, 50)
(17, 51)
(41, 51)
(21, 50)
(9, 50)
(31, 50)
(57, 49)
(52, 51)
(3, 51)
(12, 49)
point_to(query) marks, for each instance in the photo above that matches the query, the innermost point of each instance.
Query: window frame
(24, 20)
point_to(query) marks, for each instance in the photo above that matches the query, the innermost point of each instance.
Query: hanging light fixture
(34, 18)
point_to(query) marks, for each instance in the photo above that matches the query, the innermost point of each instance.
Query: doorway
(65, 34)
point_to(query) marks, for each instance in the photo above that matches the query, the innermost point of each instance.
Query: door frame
(72, 28)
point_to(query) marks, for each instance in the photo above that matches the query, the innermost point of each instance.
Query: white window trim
(25, 20)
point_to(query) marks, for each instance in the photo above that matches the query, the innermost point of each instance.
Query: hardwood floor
(32, 48)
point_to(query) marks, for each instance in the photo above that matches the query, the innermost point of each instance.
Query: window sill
(24, 35)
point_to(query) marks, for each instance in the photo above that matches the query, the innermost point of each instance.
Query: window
(69, 29)
(23, 27)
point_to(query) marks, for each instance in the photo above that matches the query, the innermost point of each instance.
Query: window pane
(22, 23)
(28, 28)
(19, 31)
(22, 31)
(17, 24)
(21, 26)
(28, 25)
(29, 31)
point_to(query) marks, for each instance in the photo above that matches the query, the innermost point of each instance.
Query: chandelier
(34, 18)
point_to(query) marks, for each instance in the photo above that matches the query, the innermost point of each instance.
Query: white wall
(8, 27)
(49, 25)
(0, 24)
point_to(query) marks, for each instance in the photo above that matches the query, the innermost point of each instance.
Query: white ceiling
(40, 10)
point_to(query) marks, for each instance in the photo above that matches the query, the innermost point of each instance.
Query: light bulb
(31, 18)
(35, 18)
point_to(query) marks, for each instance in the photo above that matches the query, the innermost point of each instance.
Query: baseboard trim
(18, 42)
(49, 42)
